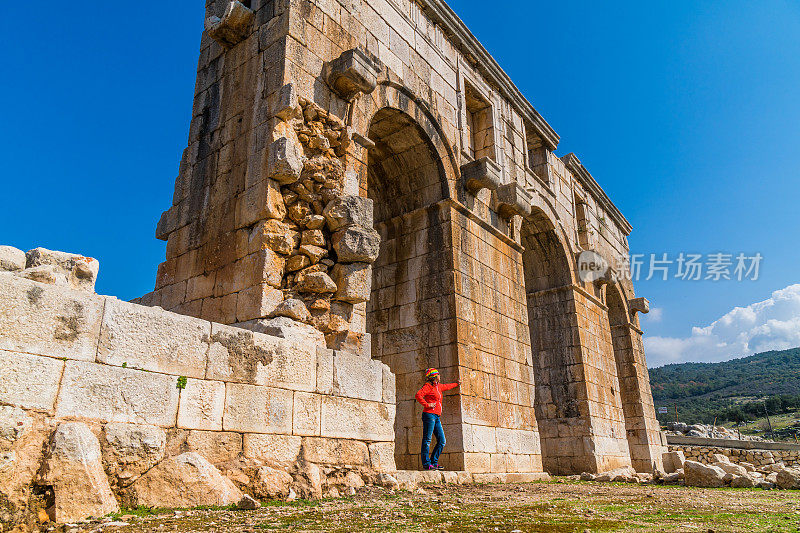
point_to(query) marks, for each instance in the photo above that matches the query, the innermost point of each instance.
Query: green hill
(740, 388)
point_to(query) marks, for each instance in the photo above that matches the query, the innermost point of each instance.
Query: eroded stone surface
(75, 470)
(187, 480)
(149, 339)
(48, 320)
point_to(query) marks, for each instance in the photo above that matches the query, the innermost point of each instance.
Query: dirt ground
(555, 506)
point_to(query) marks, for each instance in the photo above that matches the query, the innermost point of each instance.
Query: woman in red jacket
(430, 396)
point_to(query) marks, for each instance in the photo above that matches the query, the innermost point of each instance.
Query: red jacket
(429, 394)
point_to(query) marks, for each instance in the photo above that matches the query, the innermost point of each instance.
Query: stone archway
(411, 299)
(561, 407)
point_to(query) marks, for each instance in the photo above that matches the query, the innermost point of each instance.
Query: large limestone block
(257, 409)
(11, 259)
(114, 394)
(356, 244)
(673, 461)
(381, 456)
(287, 328)
(272, 483)
(29, 381)
(216, 446)
(241, 355)
(258, 301)
(280, 449)
(700, 475)
(306, 415)
(152, 339)
(47, 320)
(349, 211)
(261, 201)
(788, 478)
(273, 235)
(202, 404)
(731, 468)
(357, 419)
(187, 480)
(353, 281)
(357, 376)
(129, 450)
(335, 451)
(284, 161)
(75, 470)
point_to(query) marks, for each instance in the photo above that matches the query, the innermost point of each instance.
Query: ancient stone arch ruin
(465, 257)
(365, 194)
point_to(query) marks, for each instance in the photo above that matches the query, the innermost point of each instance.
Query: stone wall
(754, 456)
(191, 385)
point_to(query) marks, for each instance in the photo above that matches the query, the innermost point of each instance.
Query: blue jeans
(431, 425)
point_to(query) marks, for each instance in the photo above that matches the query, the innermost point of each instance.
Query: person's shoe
(429, 467)
(438, 467)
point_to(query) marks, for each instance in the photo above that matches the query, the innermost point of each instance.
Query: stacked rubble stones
(755, 457)
(322, 238)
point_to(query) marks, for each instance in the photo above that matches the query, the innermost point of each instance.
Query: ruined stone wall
(184, 384)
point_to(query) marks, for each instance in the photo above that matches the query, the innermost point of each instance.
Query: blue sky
(687, 113)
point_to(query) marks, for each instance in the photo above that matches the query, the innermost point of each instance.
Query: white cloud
(655, 315)
(773, 324)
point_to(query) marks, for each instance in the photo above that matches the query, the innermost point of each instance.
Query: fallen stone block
(625, 474)
(787, 478)
(272, 483)
(248, 503)
(673, 461)
(187, 480)
(75, 470)
(731, 468)
(129, 450)
(742, 482)
(700, 475)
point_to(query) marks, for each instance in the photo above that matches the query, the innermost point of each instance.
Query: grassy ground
(557, 506)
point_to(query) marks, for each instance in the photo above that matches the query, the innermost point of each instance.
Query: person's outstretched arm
(448, 386)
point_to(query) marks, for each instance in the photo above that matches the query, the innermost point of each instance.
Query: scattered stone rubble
(708, 431)
(716, 470)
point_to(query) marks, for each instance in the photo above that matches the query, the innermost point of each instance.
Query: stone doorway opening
(410, 304)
